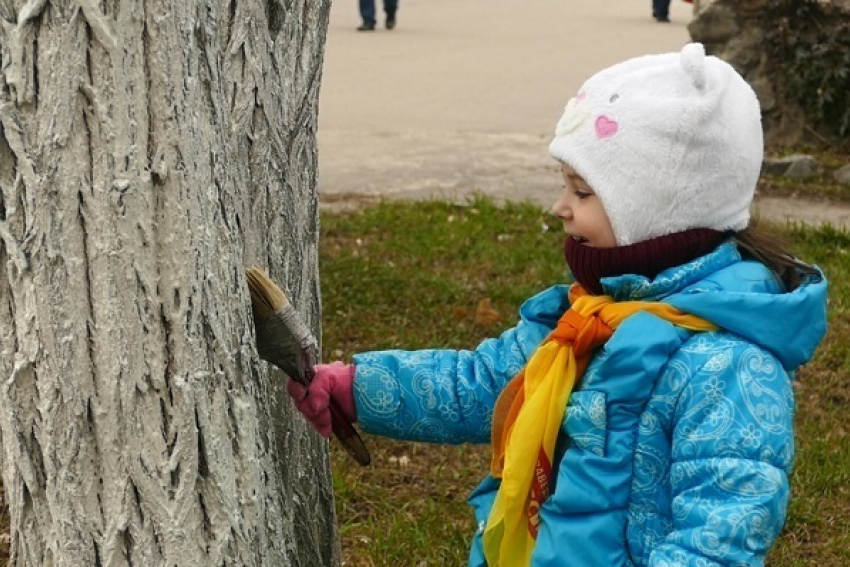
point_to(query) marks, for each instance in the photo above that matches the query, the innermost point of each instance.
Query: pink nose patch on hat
(605, 127)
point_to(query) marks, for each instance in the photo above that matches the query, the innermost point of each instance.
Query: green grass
(821, 187)
(411, 275)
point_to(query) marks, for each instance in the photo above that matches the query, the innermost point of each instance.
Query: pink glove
(332, 385)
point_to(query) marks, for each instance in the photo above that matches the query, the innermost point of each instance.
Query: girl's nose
(561, 208)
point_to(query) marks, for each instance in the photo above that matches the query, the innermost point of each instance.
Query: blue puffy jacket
(677, 447)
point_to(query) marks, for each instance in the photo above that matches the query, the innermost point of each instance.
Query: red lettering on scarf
(540, 490)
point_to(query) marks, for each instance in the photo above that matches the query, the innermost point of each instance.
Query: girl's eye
(582, 195)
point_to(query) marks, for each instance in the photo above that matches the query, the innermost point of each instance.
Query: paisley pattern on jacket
(676, 448)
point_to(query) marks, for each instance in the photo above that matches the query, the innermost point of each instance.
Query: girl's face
(582, 213)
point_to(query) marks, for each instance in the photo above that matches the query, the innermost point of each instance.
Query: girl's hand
(332, 384)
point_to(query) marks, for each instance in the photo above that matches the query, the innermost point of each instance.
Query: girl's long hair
(767, 248)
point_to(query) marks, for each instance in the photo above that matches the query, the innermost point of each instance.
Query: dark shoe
(662, 19)
(390, 22)
(366, 26)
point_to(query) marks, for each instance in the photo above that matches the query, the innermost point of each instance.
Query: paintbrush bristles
(266, 298)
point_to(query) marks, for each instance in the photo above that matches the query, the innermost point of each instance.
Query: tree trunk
(149, 151)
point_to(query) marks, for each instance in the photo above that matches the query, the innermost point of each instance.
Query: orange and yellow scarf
(529, 412)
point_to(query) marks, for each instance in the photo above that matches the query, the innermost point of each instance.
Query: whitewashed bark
(149, 150)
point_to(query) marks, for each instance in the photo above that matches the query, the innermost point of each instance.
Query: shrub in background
(808, 41)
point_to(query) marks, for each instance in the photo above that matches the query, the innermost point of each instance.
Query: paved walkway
(462, 97)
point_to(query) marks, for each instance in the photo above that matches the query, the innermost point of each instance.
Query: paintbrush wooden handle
(348, 436)
(284, 340)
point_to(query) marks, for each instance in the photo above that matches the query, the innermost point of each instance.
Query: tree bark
(149, 151)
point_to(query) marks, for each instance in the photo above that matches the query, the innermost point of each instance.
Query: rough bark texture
(149, 150)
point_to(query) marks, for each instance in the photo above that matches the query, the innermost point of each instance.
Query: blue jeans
(660, 8)
(367, 9)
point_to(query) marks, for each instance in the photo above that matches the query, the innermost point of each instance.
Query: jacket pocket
(586, 421)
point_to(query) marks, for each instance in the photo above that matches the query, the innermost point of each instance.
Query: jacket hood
(741, 297)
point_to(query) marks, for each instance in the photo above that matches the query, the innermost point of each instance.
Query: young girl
(642, 416)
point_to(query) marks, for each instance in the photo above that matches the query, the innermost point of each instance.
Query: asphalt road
(463, 96)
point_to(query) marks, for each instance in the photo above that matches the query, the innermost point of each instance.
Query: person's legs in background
(367, 12)
(390, 7)
(661, 10)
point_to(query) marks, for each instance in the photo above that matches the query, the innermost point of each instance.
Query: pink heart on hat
(606, 127)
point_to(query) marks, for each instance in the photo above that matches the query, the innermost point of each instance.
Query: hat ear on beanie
(668, 142)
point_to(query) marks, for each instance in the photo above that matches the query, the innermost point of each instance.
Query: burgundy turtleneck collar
(648, 258)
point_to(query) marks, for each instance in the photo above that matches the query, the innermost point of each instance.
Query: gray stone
(743, 51)
(700, 5)
(842, 174)
(799, 166)
(763, 87)
(717, 23)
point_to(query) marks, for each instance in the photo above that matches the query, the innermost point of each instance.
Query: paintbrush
(285, 341)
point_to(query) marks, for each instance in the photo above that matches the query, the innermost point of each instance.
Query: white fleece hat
(668, 142)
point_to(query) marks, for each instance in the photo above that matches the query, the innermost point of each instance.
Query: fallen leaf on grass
(485, 315)
(460, 313)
